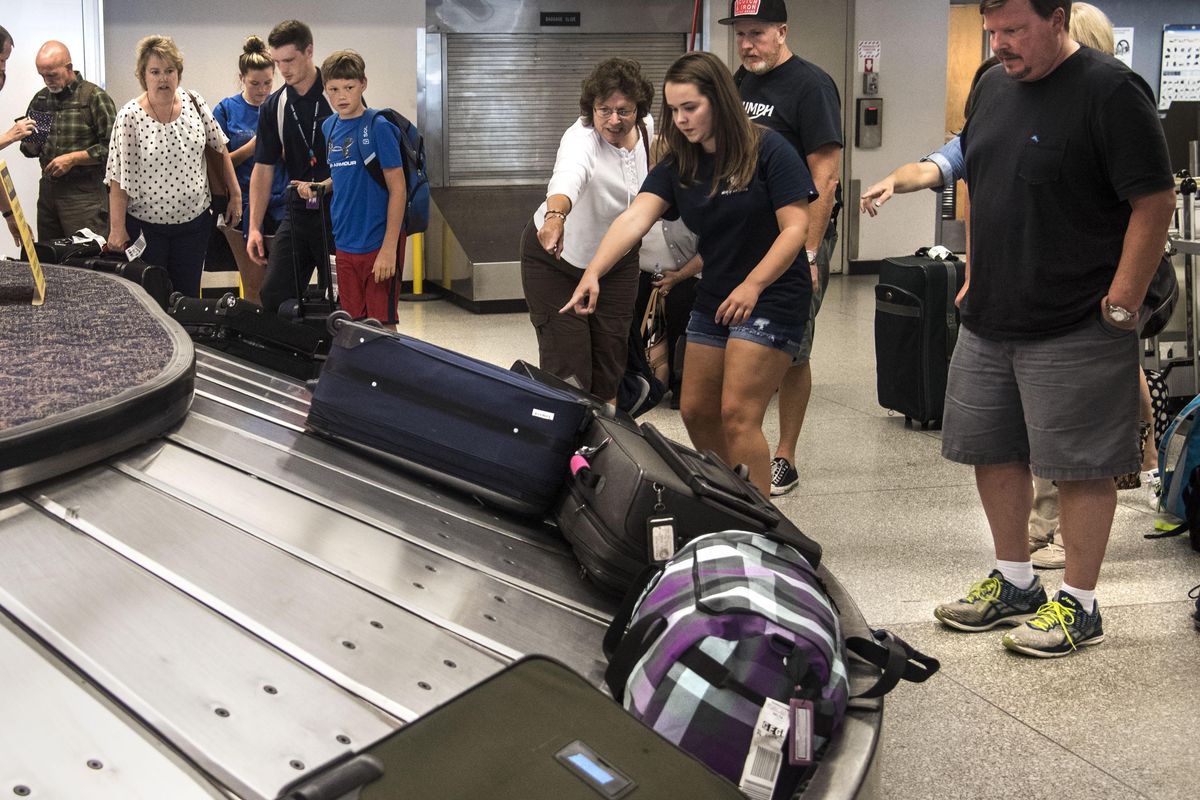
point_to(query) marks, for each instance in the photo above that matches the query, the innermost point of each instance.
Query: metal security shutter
(511, 96)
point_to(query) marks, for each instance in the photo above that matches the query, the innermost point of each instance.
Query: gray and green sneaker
(991, 602)
(1060, 627)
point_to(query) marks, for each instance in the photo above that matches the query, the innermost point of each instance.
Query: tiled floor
(903, 530)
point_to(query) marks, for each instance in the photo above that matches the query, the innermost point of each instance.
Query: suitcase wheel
(742, 471)
(290, 309)
(336, 320)
(174, 299)
(226, 302)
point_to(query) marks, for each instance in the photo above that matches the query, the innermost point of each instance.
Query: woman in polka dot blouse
(157, 173)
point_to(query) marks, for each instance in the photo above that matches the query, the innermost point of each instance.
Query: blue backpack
(412, 151)
(1178, 457)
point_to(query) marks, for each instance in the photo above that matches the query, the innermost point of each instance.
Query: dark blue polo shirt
(303, 147)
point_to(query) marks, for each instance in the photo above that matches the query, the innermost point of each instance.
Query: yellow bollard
(418, 258)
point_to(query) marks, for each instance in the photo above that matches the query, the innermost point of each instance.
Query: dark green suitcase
(535, 731)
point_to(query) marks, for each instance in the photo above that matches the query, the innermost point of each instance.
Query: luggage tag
(765, 757)
(137, 248)
(800, 737)
(660, 531)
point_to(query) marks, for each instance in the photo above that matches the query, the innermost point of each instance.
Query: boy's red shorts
(358, 292)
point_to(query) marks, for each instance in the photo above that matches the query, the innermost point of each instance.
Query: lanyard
(309, 141)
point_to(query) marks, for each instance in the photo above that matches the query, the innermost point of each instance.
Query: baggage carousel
(225, 609)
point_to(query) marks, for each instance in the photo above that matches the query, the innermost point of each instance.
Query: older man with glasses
(74, 150)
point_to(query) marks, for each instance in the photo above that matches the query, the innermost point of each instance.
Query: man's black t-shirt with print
(1052, 165)
(797, 99)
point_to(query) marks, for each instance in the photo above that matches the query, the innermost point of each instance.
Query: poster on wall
(1179, 75)
(1123, 39)
(868, 55)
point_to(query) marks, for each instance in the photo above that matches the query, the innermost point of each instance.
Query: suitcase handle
(338, 781)
(755, 506)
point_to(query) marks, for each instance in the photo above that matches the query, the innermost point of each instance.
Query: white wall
(211, 33)
(31, 24)
(912, 74)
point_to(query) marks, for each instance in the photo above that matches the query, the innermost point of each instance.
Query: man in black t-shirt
(295, 113)
(798, 99)
(1071, 196)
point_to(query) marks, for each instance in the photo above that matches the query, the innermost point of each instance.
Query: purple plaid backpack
(733, 651)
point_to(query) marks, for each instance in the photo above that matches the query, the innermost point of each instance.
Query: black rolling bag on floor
(483, 429)
(642, 496)
(88, 255)
(536, 731)
(916, 327)
(246, 330)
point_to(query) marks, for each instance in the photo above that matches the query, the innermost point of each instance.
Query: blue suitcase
(478, 427)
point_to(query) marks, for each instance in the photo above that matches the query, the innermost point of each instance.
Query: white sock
(1086, 597)
(1018, 573)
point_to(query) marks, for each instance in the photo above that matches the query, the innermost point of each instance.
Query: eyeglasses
(622, 113)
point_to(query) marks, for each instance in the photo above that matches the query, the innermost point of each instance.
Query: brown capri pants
(593, 348)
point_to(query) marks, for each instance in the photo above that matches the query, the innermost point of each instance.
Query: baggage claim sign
(39, 280)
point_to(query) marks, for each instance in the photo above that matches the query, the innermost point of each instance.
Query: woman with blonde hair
(744, 191)
(157, 173)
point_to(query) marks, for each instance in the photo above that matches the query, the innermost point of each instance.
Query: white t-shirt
(161, 167)
(601, 181)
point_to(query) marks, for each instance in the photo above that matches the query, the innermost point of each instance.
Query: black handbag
(1161, 297)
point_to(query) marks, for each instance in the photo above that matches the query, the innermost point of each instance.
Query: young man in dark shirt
(1071, 195)
(295, 113)
(798, 99)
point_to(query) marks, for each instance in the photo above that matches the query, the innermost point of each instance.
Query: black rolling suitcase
(486, 430)
(246, 330)
(916, 327)
(535, 731)
(642, 496)
(312, 305)
(87, 255)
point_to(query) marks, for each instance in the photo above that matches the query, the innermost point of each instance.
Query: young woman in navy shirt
(745, 192)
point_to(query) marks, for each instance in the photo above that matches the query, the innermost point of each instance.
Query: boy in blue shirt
(368, 219)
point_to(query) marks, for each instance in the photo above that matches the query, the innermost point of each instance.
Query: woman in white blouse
(602, 161)
(157, 172)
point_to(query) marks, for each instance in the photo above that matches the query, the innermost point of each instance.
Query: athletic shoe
(1195, 593)
(1052, 556)
(991, 602)
(1060, 627)
(783, 476)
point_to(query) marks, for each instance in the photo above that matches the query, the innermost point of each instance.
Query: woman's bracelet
(560, 214)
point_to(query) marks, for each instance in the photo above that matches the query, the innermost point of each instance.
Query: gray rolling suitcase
(536, 731)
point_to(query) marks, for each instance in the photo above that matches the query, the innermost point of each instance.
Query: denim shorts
(703, 329)
(1067, 406)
